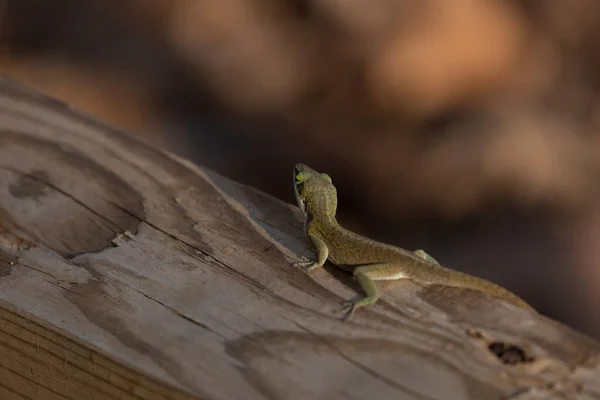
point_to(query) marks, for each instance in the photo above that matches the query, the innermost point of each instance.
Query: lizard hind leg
(322, 254)
(425, 256)
(366, 277)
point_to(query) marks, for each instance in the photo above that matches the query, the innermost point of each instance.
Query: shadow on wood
(128, 273)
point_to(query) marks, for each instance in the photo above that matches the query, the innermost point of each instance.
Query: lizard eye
(299, 178)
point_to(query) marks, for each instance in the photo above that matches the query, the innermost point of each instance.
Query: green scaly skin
(367, 259)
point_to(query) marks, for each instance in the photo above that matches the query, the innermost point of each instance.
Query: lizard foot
(349, 308)
(357, 303)
(306, 263)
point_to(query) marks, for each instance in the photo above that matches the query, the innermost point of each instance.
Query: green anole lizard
(367, 259)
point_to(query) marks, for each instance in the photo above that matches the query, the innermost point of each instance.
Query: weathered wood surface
(127, 273)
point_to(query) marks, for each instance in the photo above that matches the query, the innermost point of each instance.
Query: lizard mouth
(299, 199)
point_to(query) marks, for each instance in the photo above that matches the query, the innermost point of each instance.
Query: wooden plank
(127, 273)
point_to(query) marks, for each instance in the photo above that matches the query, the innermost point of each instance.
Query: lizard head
(314, 191)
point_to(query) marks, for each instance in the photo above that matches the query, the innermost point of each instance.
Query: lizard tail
(485, 286)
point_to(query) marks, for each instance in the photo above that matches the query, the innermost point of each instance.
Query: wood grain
(128, 273)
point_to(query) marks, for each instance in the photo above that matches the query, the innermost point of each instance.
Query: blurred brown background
(469, 128)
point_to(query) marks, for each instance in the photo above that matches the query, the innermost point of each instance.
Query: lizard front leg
(322, 254)
(366, 276)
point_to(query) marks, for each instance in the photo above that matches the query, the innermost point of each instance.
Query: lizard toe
(349, 308)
